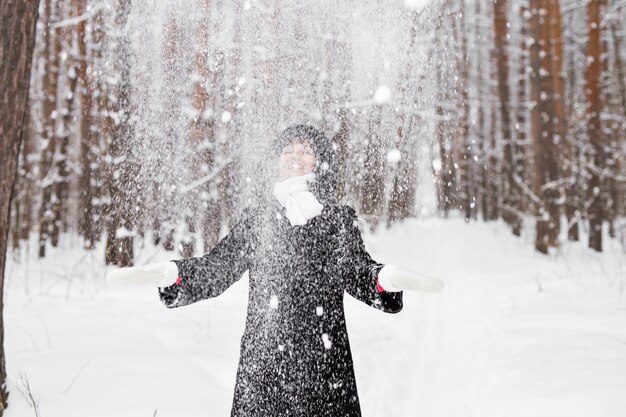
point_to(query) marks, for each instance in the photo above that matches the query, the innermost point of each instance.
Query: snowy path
(513, 334)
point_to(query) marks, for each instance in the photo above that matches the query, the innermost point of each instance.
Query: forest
(508, 110)
(151, 122)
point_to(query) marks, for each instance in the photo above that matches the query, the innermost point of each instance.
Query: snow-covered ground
(514, 334)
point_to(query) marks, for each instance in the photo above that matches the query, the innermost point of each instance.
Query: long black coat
(295, 355)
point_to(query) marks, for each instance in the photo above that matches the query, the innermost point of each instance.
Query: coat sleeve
(360, 271)
(210, 275)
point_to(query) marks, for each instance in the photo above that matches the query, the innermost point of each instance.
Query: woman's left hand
(395, 278)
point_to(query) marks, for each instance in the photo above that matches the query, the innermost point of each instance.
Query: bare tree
(511, 193)
(619, 64)
(24, 199)
(571, 147)
(47, 169)
(482, 102)
(594, 125)
(199, 131)
(17, 37)
(372, 202)
(520, 173)
(611, 128)
(546, 186)
(404, 185)
(122, 179)
(61, 186)
(493, 185)
(467, 198)
(446, 168)
(86, 135)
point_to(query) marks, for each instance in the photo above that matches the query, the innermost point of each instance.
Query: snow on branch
(77, 19)
(206, 178)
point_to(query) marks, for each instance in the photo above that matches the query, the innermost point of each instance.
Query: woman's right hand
(161, 274)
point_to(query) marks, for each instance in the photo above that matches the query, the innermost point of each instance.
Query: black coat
(295, 355)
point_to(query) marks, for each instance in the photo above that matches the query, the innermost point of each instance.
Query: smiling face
(297, 158)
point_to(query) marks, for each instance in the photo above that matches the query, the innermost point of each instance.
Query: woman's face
(297, 158)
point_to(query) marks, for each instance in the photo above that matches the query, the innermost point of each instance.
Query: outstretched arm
(373, 283)
(186, 281)
(210, 275)
(360, 271)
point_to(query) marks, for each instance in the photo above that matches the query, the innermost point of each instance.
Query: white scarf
(300, 204)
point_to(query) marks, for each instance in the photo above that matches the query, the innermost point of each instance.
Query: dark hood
(325, 185)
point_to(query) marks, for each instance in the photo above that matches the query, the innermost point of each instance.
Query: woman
(302, 250)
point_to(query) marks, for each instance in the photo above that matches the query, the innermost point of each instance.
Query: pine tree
(594, 125)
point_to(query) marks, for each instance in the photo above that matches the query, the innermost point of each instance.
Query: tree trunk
(480, 129)
(59, 206)
(555, 52)
(372, 203)
(542, 119)
(402, 197)
(511, 192)
(467, 198)
(99, 128)
(447, 170)
(17, 37)
(341, 140)
(521, 148)
(26, 184)
(571, 153)
(493, 191)
(87, 159)
(337, 90)
(166, 217)
(610, 129)
(121, 221)
(49, 138)
(619, 67)
(594, 126)
(615, 191)
(198, 132)
(216, 154)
